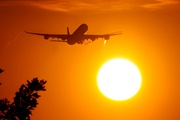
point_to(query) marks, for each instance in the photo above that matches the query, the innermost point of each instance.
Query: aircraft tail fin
(68, 31)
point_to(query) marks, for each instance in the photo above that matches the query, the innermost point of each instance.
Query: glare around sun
(119, 79)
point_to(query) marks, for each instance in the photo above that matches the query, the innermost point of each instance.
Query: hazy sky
(150, 40)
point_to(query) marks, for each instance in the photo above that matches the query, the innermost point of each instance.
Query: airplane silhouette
(78, 36)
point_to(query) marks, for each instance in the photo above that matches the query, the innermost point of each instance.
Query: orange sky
(150, 40)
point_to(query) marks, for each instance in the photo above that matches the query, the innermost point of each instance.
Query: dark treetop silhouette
(24, 102)
(1, 72)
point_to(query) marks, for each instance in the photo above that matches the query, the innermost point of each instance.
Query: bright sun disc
(119, 79)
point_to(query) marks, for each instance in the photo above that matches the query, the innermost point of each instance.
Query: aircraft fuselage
(78, 34)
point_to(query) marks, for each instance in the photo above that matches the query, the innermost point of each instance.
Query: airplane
(78, 36)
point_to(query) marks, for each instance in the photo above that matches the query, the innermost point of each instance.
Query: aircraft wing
(46, 36)
(105, 36)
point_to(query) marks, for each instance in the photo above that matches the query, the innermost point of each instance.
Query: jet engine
(106, 37)
(93, 39)
(46, 37)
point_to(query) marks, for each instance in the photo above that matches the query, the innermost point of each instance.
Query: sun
(119, 79)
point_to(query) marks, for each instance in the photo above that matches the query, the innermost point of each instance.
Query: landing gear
(80, 42)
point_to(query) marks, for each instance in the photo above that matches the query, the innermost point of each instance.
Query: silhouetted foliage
(1, 72)
(24, 102)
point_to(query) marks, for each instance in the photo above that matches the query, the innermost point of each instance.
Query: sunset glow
(150, 40)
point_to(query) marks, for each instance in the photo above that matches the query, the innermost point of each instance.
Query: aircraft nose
(84, 26)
